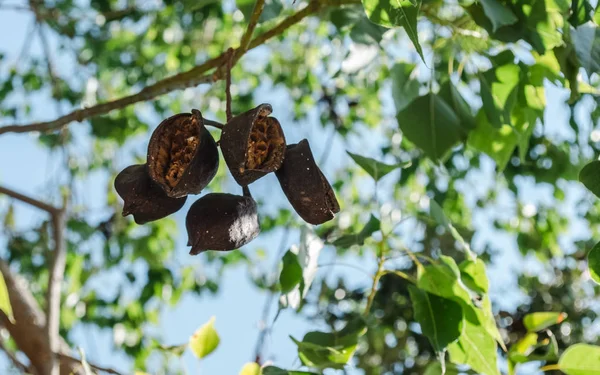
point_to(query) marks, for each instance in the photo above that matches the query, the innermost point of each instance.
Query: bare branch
(191, 78)
(13, 358)
(57, 270)
(31, 201)
(228, 85)
(28, 328)
(245, 43)
(107, 370)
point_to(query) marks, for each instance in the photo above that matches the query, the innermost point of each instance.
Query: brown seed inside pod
(176, 148)
(265, 143)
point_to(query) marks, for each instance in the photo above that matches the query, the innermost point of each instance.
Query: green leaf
(291, 274)
(205, 340)
(581, 359)
(532, 348)
(593, 258)
(473, 275)
(334, 350)
(451, 95)
(374, 168)
(372, 226)
(441, 319)
(272, 370)
(432, 125)
(475, 348)
(581, 12)
(498, 93)
(590, 177)
(499, 14)
(395, 13)
(5, 305)
(586, 39)
(251, 368)
(538, 321)
(435, 368)
(404, 89)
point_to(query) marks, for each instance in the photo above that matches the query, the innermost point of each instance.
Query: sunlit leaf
(538, 321)
(580, 359)
(205, 340)
(5, 305)
(251, 368)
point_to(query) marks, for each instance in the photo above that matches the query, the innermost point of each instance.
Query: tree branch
(191, 78)
(107, 370)
(31, 201)
(57, 270)
(13, 358)
(28, 328)
(245, 43)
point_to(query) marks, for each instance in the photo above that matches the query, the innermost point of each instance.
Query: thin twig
(13, 358)
(245, 42)
(57, 270)
(31, 201)
(26, 43)
(191, 78)
(95, 367)
(228, 85)
(380, 272)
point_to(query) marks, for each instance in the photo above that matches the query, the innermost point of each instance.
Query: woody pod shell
(221, 221)
(253, 144)
(144, 199)
(182, 155)
(305, 186)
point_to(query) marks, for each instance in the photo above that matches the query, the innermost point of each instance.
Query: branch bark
(191, 78)
(29, 327)
(57, 270)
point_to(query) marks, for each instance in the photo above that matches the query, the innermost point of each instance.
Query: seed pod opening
(182, 155)
(305, 186)
(253, 144)
(220, 221)
(144, 199)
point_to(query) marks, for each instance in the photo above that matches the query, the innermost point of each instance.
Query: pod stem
(213, 123)
(246, 191)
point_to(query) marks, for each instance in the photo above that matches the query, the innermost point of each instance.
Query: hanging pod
(253, 144)
(182, 155)
(305, 186)
(144, 199)
(220, 221)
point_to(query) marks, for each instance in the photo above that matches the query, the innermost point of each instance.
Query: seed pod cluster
(183, 158)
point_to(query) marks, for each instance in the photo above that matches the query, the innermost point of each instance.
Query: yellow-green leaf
(538, 321)
(205, 340)
(5, 305)
(251, 368)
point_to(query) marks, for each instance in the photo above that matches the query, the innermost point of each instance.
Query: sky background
(33, 170)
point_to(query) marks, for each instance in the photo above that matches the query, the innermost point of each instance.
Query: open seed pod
(144, 199)
(182, 155)
(220, 221)
(305, 186)
(253, 144)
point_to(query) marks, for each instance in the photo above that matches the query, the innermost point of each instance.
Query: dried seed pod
(253, 144)
(182, 155)
(144, 199)
(220, 221)
(305, 186)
